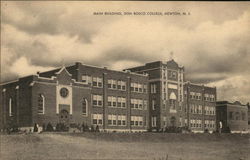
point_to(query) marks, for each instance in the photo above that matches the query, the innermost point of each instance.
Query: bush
(49, 127)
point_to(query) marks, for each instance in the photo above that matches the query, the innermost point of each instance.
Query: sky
(212, 42)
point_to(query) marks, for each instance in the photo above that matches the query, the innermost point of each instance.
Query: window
(123, 83)
(153, 88)
(97, 82)
(145, 88)
(136, 121)
(153, 121)
(97, 100)
(87, 79)
(84, 106)
(145, 105)
(140, 86)
(172, 101)
(121, 120)
(119, 85)
(84, 78)
(123, 102)
(112, 84)
(132, 88)
(140, 103)
(41, 104)
(10, 107)
(136, 87)
(97, 119)
(153, 104)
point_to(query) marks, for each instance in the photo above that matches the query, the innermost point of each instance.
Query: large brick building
(233, 116)
(77, 94)
(174, 102)
(199, 107)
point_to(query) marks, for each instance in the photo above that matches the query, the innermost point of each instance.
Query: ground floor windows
(97, 119)
(136, 121)
(195, 123)
(117, 120)
(209, 124)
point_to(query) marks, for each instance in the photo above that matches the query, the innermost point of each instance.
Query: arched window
(172, 100)
(84, 106)
(41, 104)
(10, 107)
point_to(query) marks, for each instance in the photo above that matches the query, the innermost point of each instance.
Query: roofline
(105, 68)
(227, 102)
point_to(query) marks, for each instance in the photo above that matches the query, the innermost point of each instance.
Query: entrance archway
(64, 117)
(173, 121)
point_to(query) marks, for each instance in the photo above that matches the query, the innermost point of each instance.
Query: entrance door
(173, 121)
(64, 117)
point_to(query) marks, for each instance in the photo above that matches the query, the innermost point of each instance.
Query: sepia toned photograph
(130, 80)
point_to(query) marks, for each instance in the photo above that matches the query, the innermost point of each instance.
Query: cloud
(22, 67)
(212, 48)
(234, 88)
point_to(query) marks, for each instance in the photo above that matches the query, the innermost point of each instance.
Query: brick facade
(26, 94)
(232, 115)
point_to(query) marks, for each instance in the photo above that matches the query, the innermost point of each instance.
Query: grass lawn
(153, 146)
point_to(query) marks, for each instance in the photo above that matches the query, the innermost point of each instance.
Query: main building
(149, 97)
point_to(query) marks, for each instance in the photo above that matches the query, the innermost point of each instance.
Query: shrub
(49, 127)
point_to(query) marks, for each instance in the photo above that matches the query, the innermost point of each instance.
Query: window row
(97, 119)
(97, 100)
(41, 105)
(209, 124)
(116, 84)
(198, 96)
(196, 123)
(136, 121)
(196, 109)
(237, 116)
(138, 87)
(94, 81)
(117, 120)
(138, 104)
(209, 110)
(119, 102)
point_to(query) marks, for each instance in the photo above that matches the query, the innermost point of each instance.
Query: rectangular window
(110, 101)
(119, 85)
(99, 81)
(140, 88)
(123, 84)
(97, 119)
(94, 81)
(85, 79)
(153, 121)
(119, 102)
(145, 104)
(145, 88)
(136, 87)
(123, 102)
(97, 100)
(153, 104)
(132, 88)
(140, 103)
